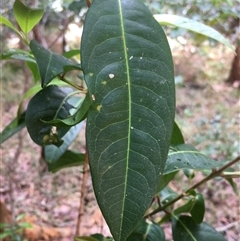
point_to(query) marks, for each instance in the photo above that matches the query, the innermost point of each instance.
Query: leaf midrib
(129, 105)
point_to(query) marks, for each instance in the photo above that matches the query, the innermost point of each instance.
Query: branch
(82, 197)
(214, 173)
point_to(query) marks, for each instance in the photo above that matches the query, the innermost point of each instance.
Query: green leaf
(189, 24)
(184, 228)
(17, 54)
(68, 159)
(34, 69)
(77, 117)
(165, 179)
(100, 237)
(198, 209)
(49, 103)
(85, 238)
(49, 64)
(187, 207)
(186, 156)
(69, 54)
(26, 17)
(177, 137)
(53, 153)
(167, 195)
(128, 69)
(9, 24)
(147, 231)
(14, 127)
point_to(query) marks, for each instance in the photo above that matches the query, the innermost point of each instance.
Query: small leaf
(100, 237)
(49, 103)
(50, 64)
(186, 156)
(184, 228)
(165, 179)
(17, 54)
(34, 69)
(167, 194)
(53, 153)
(26, 17)
(187, 207)
(189, 24)
(77, 117)
(198, 210)
(177, 137)
(14, 127)
(68, 159)
(69, 54)
(85, 238)
(9, 24)
(147, 231)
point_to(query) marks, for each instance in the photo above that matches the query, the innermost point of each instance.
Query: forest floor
(207, 112)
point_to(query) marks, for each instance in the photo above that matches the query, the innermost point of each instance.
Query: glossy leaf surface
(49, 103)
(128, 69)
(192, 25)
(147, 231)
(50, 64)
(26, 17)
(186, 156)
(184, 228)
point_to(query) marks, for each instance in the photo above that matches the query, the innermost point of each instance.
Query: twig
(214, 173)
(82, 197)
(226, 227)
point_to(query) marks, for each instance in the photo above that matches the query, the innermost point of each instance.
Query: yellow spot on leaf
(99, 107)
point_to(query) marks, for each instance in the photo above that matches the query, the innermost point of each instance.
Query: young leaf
(189, 24)
(77, 117)
(17, 54)
(198, 210)
(128, 69)
(26, 17)
(49, 103)
(9, 24)
(49, 64)
(186, 156)
(147, 231)
(53, 153)
(15, 126)
(68, 159)
(165, 179)
(184, 228)
(177, 137)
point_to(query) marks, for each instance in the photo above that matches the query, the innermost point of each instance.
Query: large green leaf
(26, 17)
(50, 64)
(184, 228)
(186, 156)
(49, 103)
(147, 231)
(128, 68)
(192, 25)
